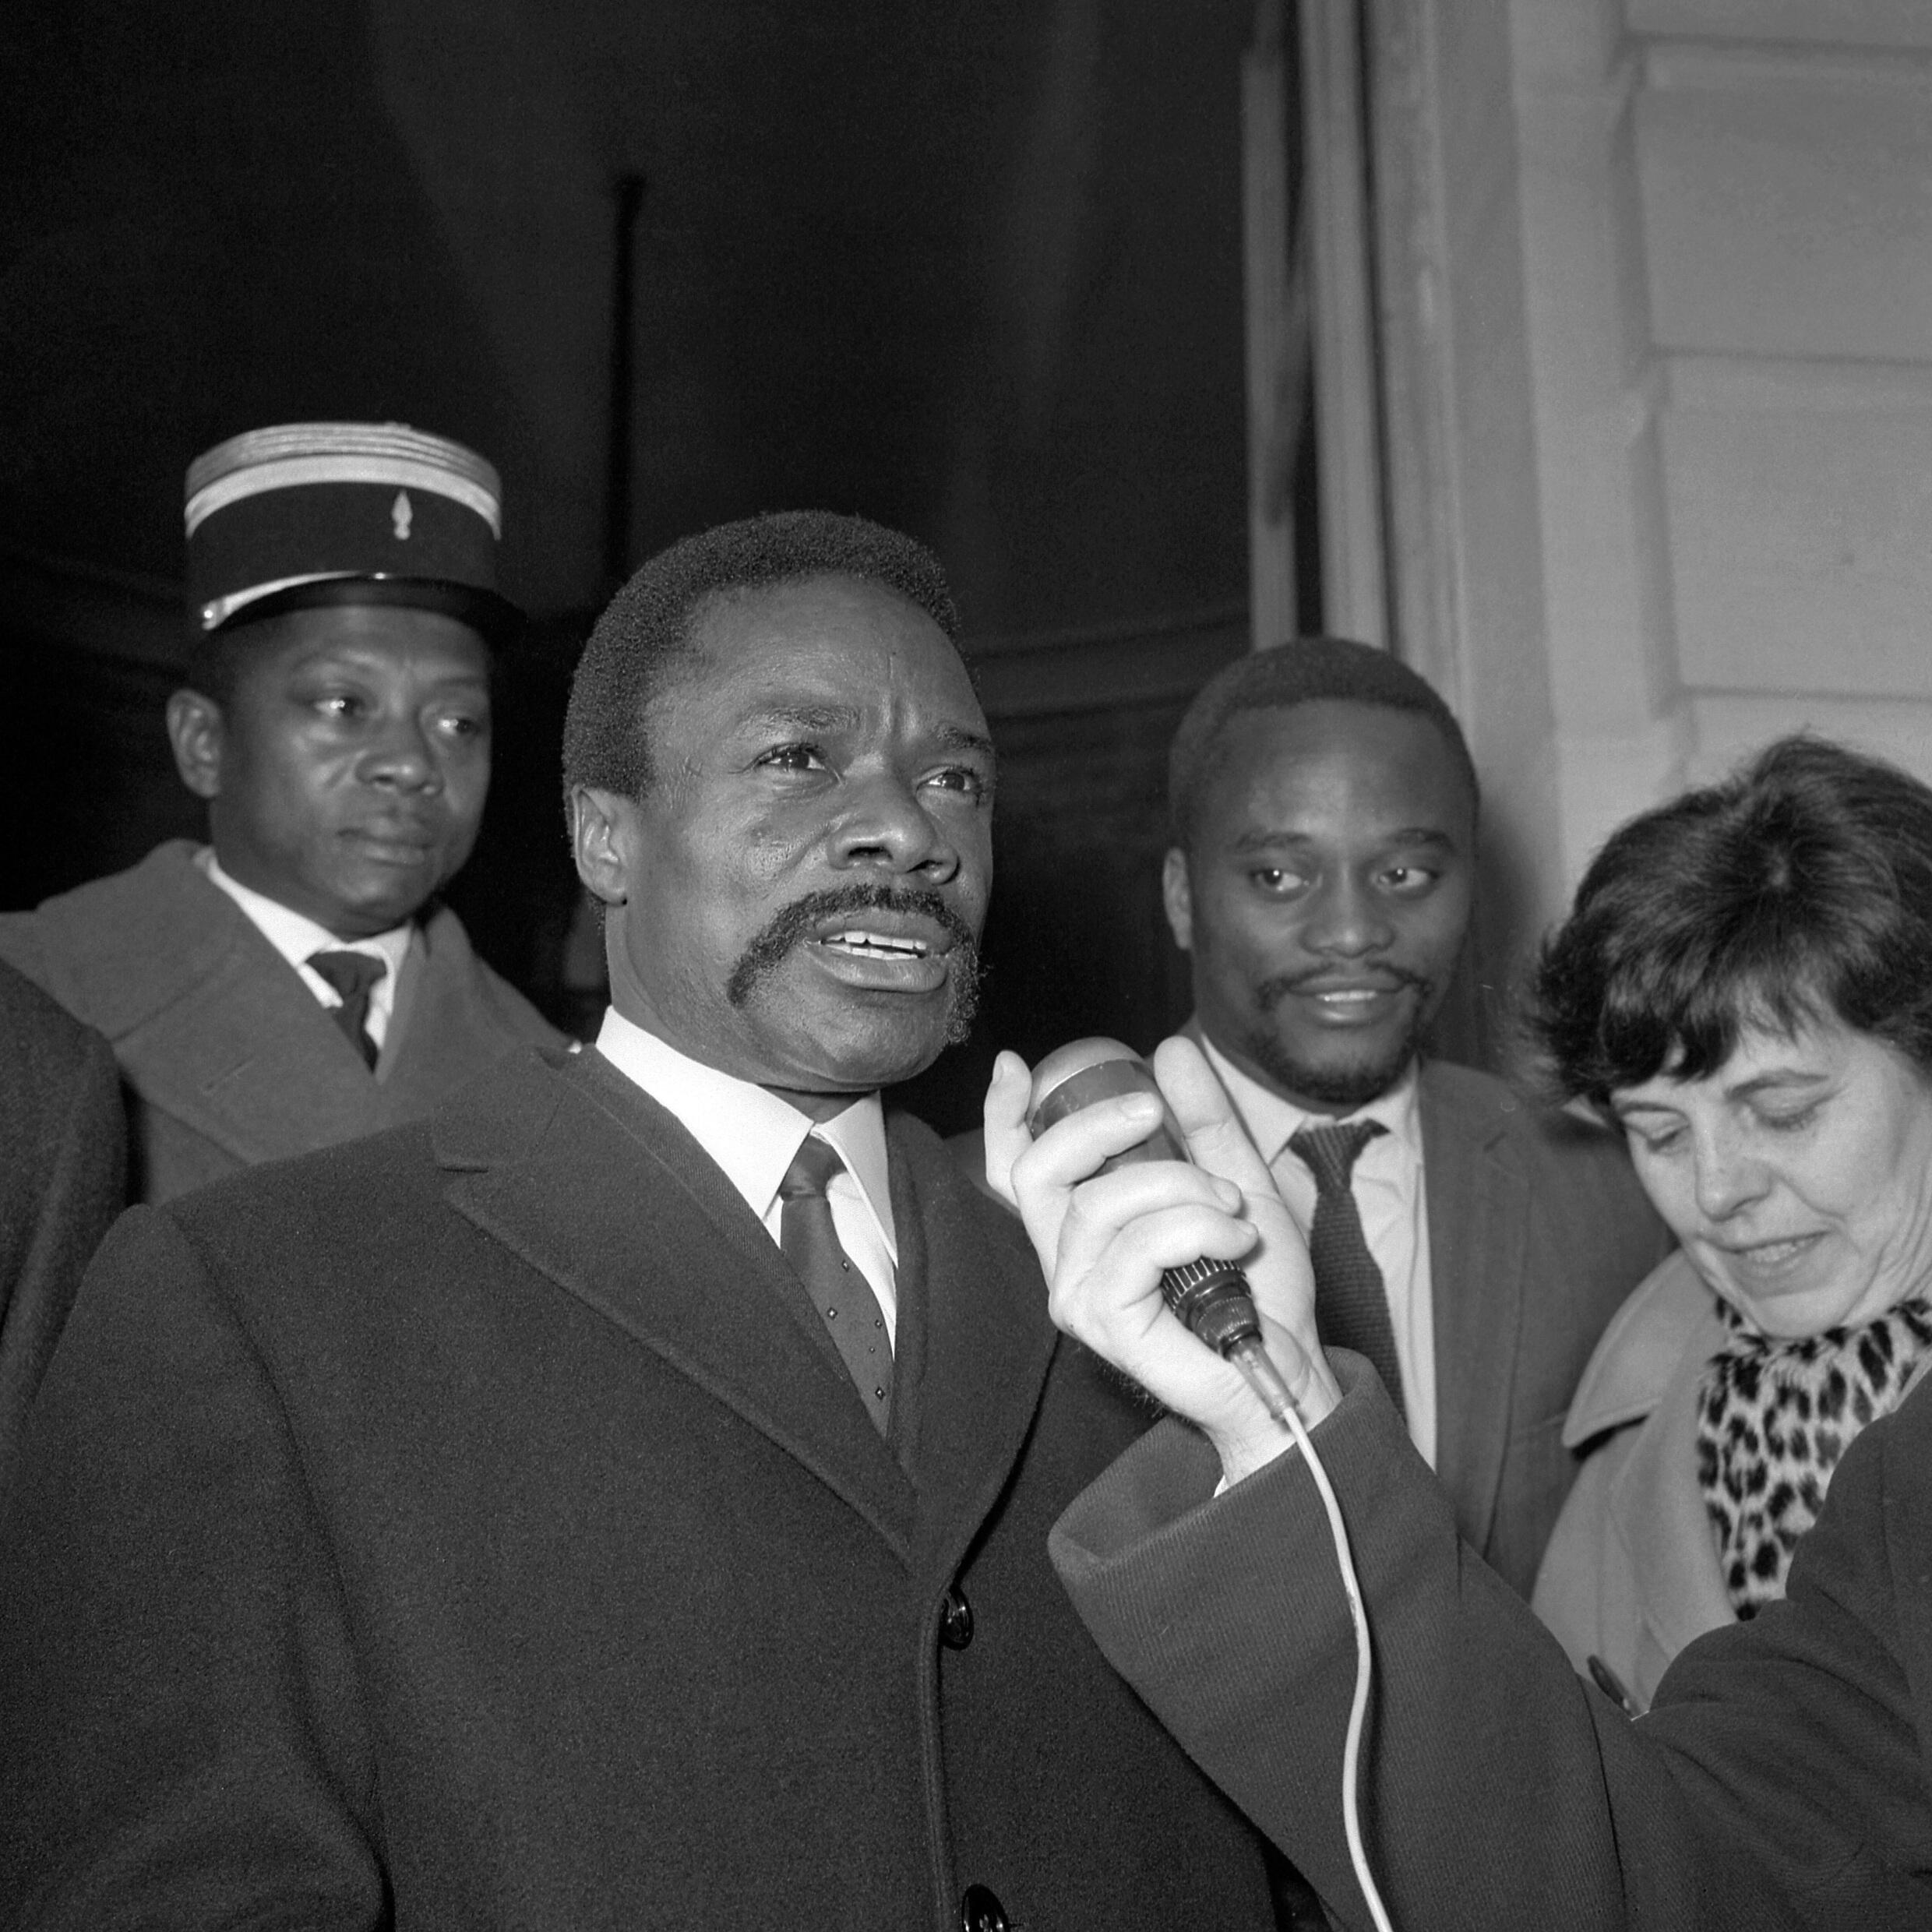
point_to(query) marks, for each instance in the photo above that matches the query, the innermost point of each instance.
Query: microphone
(1210, 1297)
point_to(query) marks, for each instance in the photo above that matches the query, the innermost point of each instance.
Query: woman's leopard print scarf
(1773, 1417)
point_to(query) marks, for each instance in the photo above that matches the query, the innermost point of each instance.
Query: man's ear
(1177, 895)
(195, 733)
(603, 830)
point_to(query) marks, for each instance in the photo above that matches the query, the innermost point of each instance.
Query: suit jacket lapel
(409, 996)
(975, 1344)
(209, 1021)
(593, 1184)
(439, 1029)
(1479, 1217)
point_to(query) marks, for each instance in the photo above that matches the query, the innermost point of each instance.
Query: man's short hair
(212, 663)
(649, 622)
(1306, 670)
(1798, 889)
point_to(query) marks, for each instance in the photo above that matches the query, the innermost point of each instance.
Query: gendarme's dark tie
(1351, 1307)
(839, 1291)
(354, 975)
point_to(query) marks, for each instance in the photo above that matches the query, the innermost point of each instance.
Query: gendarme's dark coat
(227, 1058)
(481, 1532)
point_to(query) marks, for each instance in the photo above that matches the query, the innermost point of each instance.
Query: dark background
(974, 270)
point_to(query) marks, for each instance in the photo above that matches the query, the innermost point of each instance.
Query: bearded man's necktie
(1351, 1304)
(839, 1290)
(354, 976)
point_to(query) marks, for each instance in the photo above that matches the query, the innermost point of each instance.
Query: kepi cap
(331, 513)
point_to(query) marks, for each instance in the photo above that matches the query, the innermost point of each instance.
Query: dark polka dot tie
(354, 975)
(1351, 1306)
(839, 1291)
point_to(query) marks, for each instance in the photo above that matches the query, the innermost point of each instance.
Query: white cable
(1358, 1616)
(1252, 1359)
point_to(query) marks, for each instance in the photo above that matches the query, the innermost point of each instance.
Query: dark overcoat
(1779, 1783)
(481, 1532)
(62, 1156)
(227, 1058)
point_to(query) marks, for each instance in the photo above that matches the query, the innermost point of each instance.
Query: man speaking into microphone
(622, 1500)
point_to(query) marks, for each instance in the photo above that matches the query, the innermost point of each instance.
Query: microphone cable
(1252, 1358)
(1212, 1299)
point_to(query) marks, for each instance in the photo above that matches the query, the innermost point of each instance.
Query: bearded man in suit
(1471, 1244)
(293, 982)
(622, 1500)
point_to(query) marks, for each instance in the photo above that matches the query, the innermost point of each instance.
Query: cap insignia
(400, 514)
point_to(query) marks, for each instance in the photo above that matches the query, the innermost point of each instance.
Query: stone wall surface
(1657, 285)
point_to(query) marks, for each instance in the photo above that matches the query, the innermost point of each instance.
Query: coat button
(955, 1629)
(981, 1911)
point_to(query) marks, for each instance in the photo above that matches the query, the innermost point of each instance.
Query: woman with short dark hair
(1745, 984)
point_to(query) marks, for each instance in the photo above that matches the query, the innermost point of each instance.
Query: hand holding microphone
(1210, 1296)
(1110, 1215)
(1130, 1194)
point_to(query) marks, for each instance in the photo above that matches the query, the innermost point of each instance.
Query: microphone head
(1082, 1071)
(1064, 1062)
(1210, 1297)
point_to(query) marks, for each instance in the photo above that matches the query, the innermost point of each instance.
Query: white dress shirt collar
(1392, 1196)
(750, 1132)
(297, 937)
(1272, 1122)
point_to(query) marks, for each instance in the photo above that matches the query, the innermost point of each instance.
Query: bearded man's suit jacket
(227, 1058)
(63, 1149)
(481, 1532)
(1538, 1231)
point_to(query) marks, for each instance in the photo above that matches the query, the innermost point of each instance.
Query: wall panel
(1788, 204)
(1800, 507)
(1840, 23)
(1729, 727)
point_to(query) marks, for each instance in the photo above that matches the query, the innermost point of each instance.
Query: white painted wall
(1657, 288)
(1787, 196)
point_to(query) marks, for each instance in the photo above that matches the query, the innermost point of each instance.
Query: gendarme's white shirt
(295, 936)
(1391, 1198)
(753, 1135)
